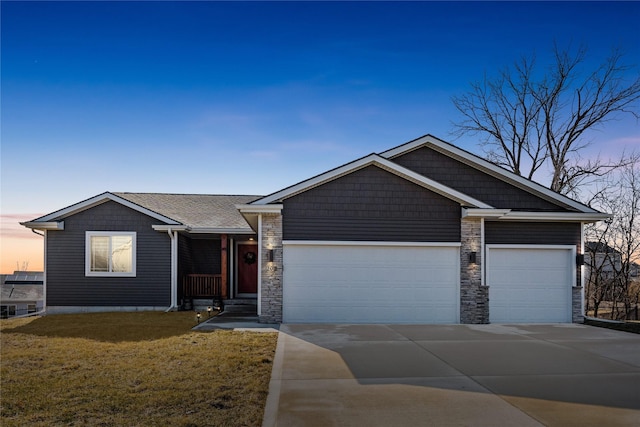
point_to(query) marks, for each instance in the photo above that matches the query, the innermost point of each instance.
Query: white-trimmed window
(110, 253)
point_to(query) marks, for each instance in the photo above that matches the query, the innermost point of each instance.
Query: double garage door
(327, 282)
(359, 283)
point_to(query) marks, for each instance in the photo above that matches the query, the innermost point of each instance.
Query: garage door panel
(536, 278)
(370, 284)
(529, 285)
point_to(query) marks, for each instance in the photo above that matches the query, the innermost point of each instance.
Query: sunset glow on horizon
(19, 246)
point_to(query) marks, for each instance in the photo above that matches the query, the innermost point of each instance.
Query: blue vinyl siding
(67, 284)
(476, 183)
(371, 204)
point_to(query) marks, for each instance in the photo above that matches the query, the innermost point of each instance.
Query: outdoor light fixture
(579, 260)
(209, 311)
(472, 258)
(198, 316)
(270, 255)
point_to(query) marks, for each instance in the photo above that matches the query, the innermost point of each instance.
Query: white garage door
(359, 283)
(530, 284)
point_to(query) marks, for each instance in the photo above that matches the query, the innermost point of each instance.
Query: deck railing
(202, 285)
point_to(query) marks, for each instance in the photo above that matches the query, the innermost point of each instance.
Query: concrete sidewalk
(237, 322)
(474, 375)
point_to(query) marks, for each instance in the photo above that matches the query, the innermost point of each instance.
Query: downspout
(582, 268)
(260, 264)
(173, 235)
(482, 251)
(44, 278)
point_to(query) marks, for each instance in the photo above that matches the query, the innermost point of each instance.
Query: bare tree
(614, 249)
(22, 267)
(598, 259)
(527, 120)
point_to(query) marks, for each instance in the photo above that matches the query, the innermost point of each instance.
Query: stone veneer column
(474, 298)
(577, 315)
(271, 286)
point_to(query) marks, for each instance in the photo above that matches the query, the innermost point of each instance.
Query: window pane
(31, 308)
(121, 254)
(99, 253)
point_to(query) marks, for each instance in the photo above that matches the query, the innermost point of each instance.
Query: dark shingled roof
(195, 210)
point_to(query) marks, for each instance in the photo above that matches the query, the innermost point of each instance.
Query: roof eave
(213, 230)
(249, 208)
(250, 213)
(98, 200)
(44, 225)
(170, 227)
(510, 215)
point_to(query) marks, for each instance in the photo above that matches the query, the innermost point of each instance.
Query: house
(422, 233)
(21, 293)
(606, 261)
(135, 251)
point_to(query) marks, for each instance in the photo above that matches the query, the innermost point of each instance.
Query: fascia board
(99, 199)
(166, 227)
(484, 213)
(374, 159)
(250, 213)
(556, 216)
(256, 209)
(201, 230)
(494, 170)
(220, 231)
(315, 181)
(49, 225)
(510, 215)
(409, 146)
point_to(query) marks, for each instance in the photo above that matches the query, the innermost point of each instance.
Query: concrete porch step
(248, 306)
(238, 305)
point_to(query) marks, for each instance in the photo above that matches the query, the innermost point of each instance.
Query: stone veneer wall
(271, 286)
(577, 316)
(474, 298)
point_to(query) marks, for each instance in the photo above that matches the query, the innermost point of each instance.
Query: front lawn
(124, 369)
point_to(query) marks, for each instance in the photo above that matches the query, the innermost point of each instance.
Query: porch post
(224, 272)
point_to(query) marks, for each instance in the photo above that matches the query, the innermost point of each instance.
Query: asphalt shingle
(195, 210)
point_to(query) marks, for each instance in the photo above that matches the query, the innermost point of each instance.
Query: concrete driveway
(458, 375)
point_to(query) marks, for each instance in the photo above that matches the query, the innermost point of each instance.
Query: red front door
(247, 269)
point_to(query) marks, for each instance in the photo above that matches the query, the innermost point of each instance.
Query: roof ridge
(186, 194)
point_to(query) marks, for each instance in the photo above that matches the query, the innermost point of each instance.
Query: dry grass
(131, 369)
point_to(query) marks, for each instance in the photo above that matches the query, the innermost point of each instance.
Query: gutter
(511, 215)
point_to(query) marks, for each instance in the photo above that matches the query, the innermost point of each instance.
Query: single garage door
(368, 283)
(530, 284)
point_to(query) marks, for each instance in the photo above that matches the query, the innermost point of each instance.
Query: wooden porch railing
(202, 286)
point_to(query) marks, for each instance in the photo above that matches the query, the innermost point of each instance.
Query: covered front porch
(216, 270)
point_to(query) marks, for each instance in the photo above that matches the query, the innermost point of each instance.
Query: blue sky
(228, 97)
